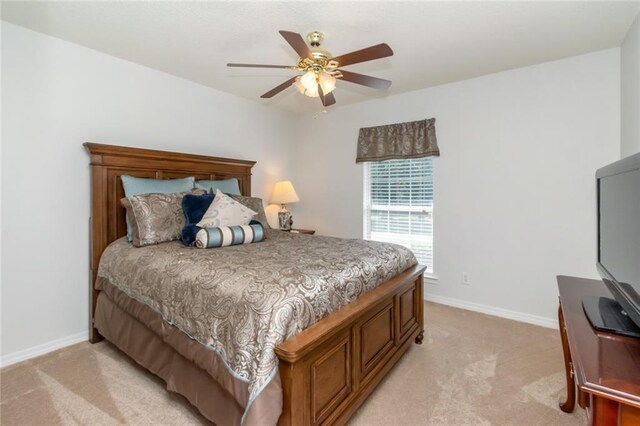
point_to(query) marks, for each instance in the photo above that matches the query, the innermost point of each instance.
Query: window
(398, 205)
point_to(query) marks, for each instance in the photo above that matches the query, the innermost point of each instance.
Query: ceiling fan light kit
(321, 68)
(308, 83)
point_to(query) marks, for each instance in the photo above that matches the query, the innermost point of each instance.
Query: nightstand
(302, 231)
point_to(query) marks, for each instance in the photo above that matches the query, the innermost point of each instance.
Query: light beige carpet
(472, 369)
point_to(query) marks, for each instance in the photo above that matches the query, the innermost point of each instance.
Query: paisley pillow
(155, 218)
(254, 203)
(225, 211)
(138, 186)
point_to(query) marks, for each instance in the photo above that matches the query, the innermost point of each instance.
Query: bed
(322, 373)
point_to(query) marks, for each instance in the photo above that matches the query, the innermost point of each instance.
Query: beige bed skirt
(188, 367)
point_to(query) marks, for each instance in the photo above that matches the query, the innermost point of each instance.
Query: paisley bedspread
(243, 301)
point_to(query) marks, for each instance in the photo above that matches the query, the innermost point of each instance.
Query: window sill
(430, 278)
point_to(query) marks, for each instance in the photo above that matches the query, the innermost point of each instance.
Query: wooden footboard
(329, 369)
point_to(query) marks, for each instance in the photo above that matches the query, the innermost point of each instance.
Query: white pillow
(225, 211)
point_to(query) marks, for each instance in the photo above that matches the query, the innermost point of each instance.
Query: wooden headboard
(109, 162)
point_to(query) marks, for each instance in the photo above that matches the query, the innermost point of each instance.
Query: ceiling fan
(321, 69)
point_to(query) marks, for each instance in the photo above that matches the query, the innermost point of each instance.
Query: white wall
(514, 186)
(57, 95)
(630, 91)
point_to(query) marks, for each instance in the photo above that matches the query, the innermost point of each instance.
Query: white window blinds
(398, 205)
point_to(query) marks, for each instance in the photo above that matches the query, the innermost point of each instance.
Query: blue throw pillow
(189, 233)
(228, 186)
(194, 207)
(137, 186)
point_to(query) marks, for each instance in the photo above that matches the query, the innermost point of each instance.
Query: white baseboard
(42, 349)
(491, 310)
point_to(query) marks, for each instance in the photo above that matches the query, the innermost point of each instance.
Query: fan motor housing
(321, 57)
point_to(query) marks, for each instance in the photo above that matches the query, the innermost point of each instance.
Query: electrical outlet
(466, 278)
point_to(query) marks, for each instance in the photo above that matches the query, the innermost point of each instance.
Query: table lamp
(283, 194)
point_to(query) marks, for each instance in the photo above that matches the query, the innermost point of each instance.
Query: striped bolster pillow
(222, 236)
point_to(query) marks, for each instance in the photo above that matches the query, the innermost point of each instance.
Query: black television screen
(618, 187)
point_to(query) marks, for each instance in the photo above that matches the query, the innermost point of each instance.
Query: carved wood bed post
(98, 234)
(420, 314)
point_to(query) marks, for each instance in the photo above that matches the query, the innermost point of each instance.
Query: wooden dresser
(602, 369)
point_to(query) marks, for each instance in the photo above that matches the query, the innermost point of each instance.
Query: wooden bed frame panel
(329, 369)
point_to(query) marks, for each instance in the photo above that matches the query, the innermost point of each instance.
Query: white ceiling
(434, 42)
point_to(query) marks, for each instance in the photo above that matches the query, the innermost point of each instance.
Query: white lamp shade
(283, 193)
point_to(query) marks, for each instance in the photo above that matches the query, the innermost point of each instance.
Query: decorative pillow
(256, 204)
(222, 236)
(190, 231)
(195, 206)
(225, 211)
(155, 218)
(228, 186)
(188, 235)
(137, 186)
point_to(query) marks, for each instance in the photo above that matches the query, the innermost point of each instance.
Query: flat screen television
(618, 191)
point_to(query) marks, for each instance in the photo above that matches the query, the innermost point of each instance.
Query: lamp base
(285, 220)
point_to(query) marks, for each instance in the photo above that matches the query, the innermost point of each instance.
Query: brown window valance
(413, 139)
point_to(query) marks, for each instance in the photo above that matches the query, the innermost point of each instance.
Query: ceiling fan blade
(296, 41)
(365, 80)
(271, 93)
(260, 66)
(367, 54)
(328, 99)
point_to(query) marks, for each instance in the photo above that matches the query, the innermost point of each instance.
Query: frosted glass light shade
(327, 81)
(307, 84)
(283, 193)
(309, 80)
(298, 85)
